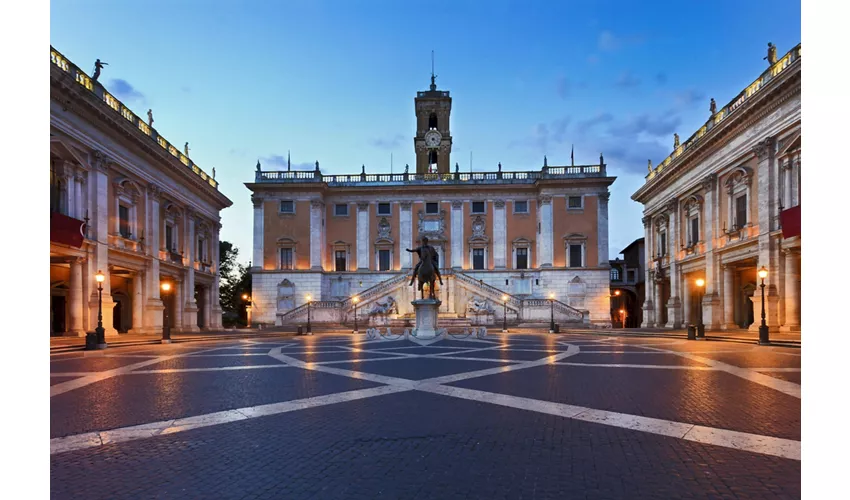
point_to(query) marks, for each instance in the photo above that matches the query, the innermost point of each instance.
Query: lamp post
(356, 299)
(247, 299)
(764, 335)
(623, 317)
(505, 314)
(700, 327)
(309, 299)
(166, 323)
(552, 312)
(618, 303)
(101, 333)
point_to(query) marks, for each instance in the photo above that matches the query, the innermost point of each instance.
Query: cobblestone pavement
(506, 416)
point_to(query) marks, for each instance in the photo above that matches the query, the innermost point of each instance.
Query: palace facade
(126, 202)
(529, 244)
(726, 203)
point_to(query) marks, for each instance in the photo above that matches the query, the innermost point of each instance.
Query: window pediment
(286, 242)
(741, 176)
(575, 237)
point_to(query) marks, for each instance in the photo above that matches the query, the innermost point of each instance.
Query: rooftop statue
(98, 65)
(771, 54)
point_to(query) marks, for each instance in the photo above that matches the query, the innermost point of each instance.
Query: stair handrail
(560, 306)
(316, 304)
(374, 290)
(514, 301)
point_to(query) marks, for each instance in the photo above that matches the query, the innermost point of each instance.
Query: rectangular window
(384, 209)
(432, 208)
(575, 255)
(383, 260)
(341, 209)
(663, 244)
(124, 221)
(574, 202)
(694, 230)
(522, 258)
(477, 258)
(521, 207)
(740, 211)
(287, 207)
(340, 260)
(286, 258)
(200, 251)
(478, 207)
(169, 238)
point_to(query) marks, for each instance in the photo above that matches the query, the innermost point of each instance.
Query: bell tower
(433, 141)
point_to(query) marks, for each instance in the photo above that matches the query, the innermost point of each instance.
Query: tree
(231, 273)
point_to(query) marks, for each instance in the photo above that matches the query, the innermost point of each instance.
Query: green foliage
(234, 281)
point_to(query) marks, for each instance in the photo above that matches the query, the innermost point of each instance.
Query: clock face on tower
(433, 138)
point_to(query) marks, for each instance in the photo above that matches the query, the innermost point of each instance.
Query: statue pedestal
(426, 318)
(484, 318)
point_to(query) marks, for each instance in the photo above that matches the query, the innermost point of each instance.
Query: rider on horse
(436, 259)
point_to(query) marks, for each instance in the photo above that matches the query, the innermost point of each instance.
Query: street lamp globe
(763, 272)
(552, 296)
(617, 293)
(166, 286)
(700, 282)
(244, 296)
(309, 298)
(99, 277)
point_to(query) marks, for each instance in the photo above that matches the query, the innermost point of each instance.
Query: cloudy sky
(334, 80)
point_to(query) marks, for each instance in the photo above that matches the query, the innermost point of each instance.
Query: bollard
(300, 330)
(701, 331)
(91, 341)
(692, 332)
(557, 328)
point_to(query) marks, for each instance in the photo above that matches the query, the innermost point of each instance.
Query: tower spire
(433, 76)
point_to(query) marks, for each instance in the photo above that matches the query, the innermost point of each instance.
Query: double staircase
(519, 310)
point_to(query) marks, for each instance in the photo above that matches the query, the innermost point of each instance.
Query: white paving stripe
(780, 385)
(622, 365)
(77, 383)
(209, 369)
(766, 445)
(92, 439)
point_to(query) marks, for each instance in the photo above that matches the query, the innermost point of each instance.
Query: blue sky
(334, 81)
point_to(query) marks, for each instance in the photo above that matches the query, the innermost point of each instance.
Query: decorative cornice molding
(362, 206)
(646, 221)
(405, 205)
(99, 161)
(765, 148)
(545, 199)
(257, 201)
(499, 204)
(604, 196)
(457, 205)
(319, 204)
(672, 205)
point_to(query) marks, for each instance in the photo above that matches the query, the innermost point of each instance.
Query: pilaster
(546, 231)
(363, 236)
(674, 306)
(405, 222)
(317, 210)
(258, 232)
(602, 228)
(499, 234)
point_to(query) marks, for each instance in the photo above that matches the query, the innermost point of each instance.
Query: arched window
(615, 274)
(432, 122)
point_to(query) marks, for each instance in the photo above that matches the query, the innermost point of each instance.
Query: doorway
(57, 315)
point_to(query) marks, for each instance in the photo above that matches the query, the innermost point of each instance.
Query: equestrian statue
(427, 270)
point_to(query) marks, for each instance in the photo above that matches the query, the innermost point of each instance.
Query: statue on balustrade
(771, 54)
(427, 269)
(713, 107)
(150, 118)
(98, 65)
(675, 141)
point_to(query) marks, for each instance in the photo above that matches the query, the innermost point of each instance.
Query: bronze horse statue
(426, 270)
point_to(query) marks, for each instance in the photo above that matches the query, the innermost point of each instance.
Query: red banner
(66, 230)
(790, 220)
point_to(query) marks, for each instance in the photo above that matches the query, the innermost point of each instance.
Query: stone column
(258, 234)
(768, 253)
(792, 290)
(686, 302)
(137, 324)
(363, 236)
(457, 235)
(317, 208)
(208, 325)
(189, 307)
(659, 304)
(545, 236)
(178, 305)
(711, 301)
(75, 300)
(787, 187)
(153, 306)
(602, 229)
(99, 193)
(215, 305)
(500, 234)
(795, 180)
(71, 188)
(406, 233)
(674, 306)
(649, 284)
(729, 298)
